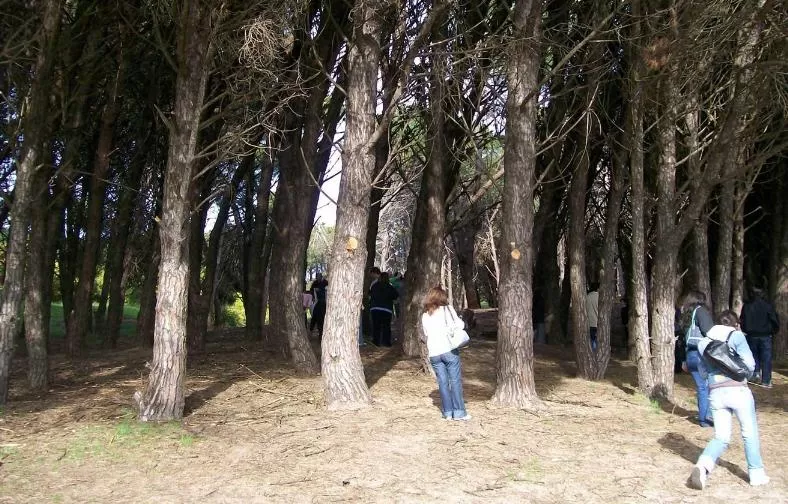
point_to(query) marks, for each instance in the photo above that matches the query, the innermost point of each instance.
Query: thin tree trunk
(515, 386)
(79, 318)
(258, 262)
(146, 318)
(737, 271)
(32, 152)
(163, 396)
(464, 246)
(638, 291)
(343, 373)
(722, 276)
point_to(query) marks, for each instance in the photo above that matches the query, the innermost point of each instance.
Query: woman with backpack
(728, 397)
(696, 320)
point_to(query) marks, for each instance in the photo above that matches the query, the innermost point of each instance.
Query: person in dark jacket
(381, 307)
(319, 291)
(760, 322)
(696, 320)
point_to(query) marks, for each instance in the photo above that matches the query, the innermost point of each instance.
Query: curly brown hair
(435, 298)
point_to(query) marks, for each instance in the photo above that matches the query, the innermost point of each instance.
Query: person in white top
(437, 321)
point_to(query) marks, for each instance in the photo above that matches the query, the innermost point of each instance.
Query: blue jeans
(761, 347)
(448, 371)
(592, 335)
(701, 387)
(726, 402)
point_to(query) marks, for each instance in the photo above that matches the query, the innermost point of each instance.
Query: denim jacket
(737, 341)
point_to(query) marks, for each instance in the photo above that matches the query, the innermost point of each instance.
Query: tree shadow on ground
(378, 361)
(471, 392)
(690, 452)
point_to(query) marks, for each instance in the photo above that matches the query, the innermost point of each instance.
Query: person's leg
(701, 389)
(376, 327)
(320, 315)
(715, 447)
(766, 360)
(754, 343)
(592, 333)
(385, 328)
(442, 377)
(454, 368)
(744, 409)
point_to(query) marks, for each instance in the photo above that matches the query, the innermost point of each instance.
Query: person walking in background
(306, 304)
(319, 291)
(592, 310)
(382, 296)
(729, 397)
(760, 322)
(437, 321)
(695, 324)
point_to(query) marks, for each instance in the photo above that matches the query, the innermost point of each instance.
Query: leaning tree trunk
(515, 386)
(163, 396)
(32, 152)
(79, 318)
(343, 373)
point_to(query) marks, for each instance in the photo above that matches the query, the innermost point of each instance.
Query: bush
(233, 315)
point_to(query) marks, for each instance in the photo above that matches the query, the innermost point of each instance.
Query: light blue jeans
(448, 372)
(726, 402)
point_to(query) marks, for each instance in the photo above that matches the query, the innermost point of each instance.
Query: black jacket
(758, 318)
(382, 296)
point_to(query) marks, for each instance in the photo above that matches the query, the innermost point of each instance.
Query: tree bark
(515, 386)
(32, 151)
(79, 317)
(258, 262)
(724, 262)
(465, 246)
(343, 373)
(163, 396)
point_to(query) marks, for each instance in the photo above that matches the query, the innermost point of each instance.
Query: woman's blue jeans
(726, 402)
(448, 372)
(701, 387)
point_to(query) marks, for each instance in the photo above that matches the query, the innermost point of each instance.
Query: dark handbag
(724, 358)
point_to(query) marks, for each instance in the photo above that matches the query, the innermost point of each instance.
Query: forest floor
(255, 432)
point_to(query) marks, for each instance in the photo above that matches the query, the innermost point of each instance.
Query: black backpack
(724, 358)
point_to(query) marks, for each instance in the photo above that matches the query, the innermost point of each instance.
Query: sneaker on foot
(465, 418)
(758, 477)
(697, 479)
(766, 385)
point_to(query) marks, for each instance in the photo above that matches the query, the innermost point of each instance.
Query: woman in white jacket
(438, 320)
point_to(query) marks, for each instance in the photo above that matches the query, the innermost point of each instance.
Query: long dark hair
(692, 299)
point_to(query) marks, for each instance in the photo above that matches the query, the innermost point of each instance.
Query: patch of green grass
(656, 407)
(7, 451)
(125, 439)
(128, 326)
(530, 470)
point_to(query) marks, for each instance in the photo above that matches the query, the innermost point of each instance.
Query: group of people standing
(720, 396)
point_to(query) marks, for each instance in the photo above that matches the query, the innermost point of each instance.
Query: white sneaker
(758, 477)
(465, 418)
(697, 479)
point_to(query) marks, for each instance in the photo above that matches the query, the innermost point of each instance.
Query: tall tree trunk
(722, 272)
(146, 318)
(429, 224)
(607, 276)
(638, 293)
(117, 250)
(464, 246)
(35, 125)
(79, 317)
(700, 235)
(781, 276)
(258, 262)
(737, 270)
(36, 326)
(343, 373)
(515, 387)
(163, 397)
(198, 306)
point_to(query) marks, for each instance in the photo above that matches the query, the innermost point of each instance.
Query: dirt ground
(255, 432)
